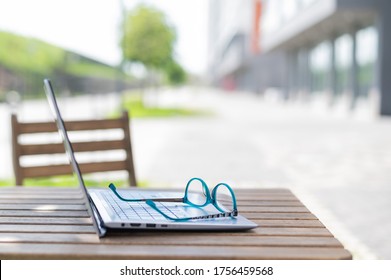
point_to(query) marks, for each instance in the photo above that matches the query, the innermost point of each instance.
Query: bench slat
(64, 169)
(42, 127)
(58, 148)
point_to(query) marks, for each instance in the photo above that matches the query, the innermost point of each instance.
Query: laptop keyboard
(140, 210)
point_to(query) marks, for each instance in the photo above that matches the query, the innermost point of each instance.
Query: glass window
(320, 67)
(272, 15)
(289, 9)
(305, 3)
(367, 46)
(302, 69)
(343, 63)
(277, 13)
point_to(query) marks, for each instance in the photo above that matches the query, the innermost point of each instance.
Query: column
(384, 59)
(354, 87)
(333, 71)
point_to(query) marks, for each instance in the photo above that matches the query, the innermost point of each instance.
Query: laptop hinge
(98, 222)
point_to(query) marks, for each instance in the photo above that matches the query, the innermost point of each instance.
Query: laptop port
(163, 226)
(151, 225)
(135, 224)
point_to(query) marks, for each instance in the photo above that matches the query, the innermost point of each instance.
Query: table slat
(288, 223)
(13, 201)
(45, 220)
(47, 228)
(43, 206)
(280, 216)
(172, 239)
(267, 209)
(39, 213)
(87, 228)
(92, 251)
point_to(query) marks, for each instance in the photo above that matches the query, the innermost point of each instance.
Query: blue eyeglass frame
(211, 198)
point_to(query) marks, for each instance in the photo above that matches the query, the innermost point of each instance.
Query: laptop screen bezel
(99, 228)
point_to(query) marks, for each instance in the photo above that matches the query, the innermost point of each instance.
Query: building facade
(334, 51)
(235, 59)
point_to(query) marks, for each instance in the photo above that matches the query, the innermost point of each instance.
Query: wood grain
(52, 223)
(58, 148)
(49, 149)
(145, 252)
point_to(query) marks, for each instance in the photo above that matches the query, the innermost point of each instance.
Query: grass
(36, 59)
(88, 69)
(6, 182)
(69, 181)
(21, 53)
(66, 181)
(133, 103)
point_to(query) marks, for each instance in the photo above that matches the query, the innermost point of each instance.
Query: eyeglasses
(222, 192)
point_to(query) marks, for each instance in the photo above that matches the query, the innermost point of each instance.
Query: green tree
(175, 73)
(149, 39)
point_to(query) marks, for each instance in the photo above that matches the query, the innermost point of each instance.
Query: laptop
(109, 212)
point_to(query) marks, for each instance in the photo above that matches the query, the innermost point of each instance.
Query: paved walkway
(340, 166)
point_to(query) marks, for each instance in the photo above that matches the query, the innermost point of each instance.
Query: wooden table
(52, 223)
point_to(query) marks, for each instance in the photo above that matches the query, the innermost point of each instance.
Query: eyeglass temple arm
(166, 199)
(218, 215)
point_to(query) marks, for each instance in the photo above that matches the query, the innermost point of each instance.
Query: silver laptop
(107, 210)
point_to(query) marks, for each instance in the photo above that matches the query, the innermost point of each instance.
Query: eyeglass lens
(223, 198)
(197, 193)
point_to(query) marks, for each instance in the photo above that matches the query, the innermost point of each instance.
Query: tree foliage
(175, 73)
(148, 38)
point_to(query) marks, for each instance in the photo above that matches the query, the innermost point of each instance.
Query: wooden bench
(53, 223)
(49, 148)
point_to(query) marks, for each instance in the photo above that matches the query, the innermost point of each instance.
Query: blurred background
(256, 93)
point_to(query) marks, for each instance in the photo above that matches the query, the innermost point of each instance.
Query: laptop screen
(71, 156)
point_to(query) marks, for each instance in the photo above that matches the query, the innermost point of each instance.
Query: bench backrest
(20, 129)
